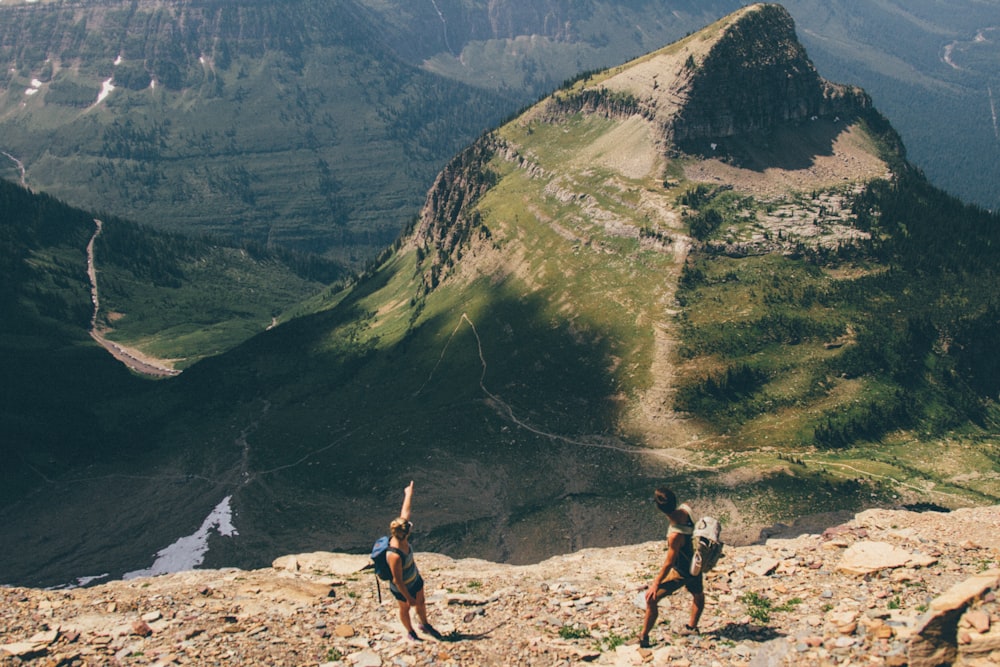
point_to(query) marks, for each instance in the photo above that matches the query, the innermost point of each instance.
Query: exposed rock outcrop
(756, 76)
(930, 599)
(746, 73)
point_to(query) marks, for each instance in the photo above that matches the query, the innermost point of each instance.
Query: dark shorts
(414, 587)
(675, 581)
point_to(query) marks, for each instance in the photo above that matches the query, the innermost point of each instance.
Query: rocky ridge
(745, 74)
(890, 587)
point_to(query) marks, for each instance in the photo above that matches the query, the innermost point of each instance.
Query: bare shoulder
(675, 538)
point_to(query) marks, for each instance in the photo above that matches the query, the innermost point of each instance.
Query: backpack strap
(683, 528)
(686, 553)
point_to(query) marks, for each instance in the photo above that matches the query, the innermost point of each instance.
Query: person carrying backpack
(406, 585)
(675, 572)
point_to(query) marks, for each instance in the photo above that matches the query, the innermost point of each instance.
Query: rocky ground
(886, 588)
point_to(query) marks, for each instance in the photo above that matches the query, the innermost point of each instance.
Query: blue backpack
(379, 563)
(379, 550)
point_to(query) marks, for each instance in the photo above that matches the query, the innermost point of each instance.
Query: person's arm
(672, 549)
(407, 499)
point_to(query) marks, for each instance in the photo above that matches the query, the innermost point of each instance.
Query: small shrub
(758, 607)
(612, 641)
(789, 605)
(573, 632)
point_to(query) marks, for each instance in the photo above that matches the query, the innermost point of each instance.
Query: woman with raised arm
(407, 586)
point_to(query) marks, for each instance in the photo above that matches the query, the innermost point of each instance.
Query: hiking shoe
(643, 642)
(412, 636)
(687, 630)
(430, 630)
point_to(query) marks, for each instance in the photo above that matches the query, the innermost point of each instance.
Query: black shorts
(676, 580)
(414, 587)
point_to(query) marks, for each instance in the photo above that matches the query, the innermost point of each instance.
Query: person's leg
(697, 606)
(652, 613)
(404, 616)
(421, 607)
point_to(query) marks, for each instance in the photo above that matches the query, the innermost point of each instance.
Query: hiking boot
(643, 642)
(430, 630)
(687, 630)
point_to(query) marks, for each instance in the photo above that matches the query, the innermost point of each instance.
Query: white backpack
(706, 541)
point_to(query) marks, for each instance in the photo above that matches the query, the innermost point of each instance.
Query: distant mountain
(531, 46)
(709, 267)
(310, 125)
(319, 127)
(281, 124)
(932, 67)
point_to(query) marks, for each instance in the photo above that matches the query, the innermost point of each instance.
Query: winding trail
(444, 27)
(865, 473)
(132, 358)
(505, 408)
(993, 112)
(20, 168)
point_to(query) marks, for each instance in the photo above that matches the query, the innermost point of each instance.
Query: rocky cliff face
(886, 588)
(756, 76)
(746, 73)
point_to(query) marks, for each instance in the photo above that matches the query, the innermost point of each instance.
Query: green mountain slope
(52, 371)
(180, 298)
(635, 282)
(66, 401)
(288, 125)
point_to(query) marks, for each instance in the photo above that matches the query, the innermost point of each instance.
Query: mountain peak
(744, 73)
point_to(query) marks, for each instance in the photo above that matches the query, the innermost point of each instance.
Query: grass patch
(574, 632)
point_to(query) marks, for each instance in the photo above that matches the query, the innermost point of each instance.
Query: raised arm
(407, 499)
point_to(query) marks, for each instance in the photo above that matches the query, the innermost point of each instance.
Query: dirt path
(20, 168)
(594, 442)
(131, 357)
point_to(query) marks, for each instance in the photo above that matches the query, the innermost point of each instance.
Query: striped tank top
(410, 572)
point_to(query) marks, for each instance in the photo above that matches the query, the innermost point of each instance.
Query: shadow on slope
(792, 146)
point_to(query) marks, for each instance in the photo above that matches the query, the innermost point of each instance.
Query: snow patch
(188, 552)
(83, 581)
(106, 89)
